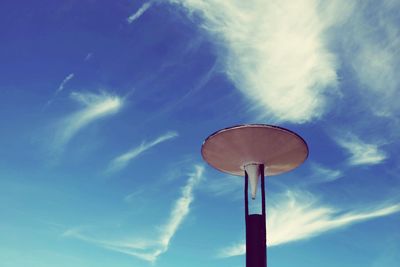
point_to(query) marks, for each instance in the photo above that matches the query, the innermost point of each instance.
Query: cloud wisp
(361, 153)
(181, 208)
(300, 216)
(372, 51)
(60, 88)
(139, 12)
(64, 82)
(88, 57)
(275, 53)
(95, 106)
(122, 161)
(149, 249)
(131, 196)
(227, 185)
(321, 173)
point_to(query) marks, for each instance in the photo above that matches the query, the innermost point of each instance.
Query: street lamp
(254, 151)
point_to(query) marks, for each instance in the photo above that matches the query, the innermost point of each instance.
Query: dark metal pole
(256, 250)
(246, 195)
(264, 213)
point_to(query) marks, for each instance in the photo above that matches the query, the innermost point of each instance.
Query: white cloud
(64, 82)
(150, 249)
(130, 197)
(361, 153)
(372, 46)
(139, 12)
(121, 161)
(275, 52)
(226, 185)
(181, 208)
(323, 174)
(300, 216)
(60, 88)
(96, 106)
(233, 250)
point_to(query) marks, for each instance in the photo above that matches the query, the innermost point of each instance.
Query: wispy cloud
(300, 216)
(64, 82)
(95, 106)
(139, 12)
(88, 56)
(121, 161)
(130, 197)
(181, 208)
(321, 173)
(150, 249)
(361, 153)
(372, 46)
(275, 52)
(226, 185)
(60, 88)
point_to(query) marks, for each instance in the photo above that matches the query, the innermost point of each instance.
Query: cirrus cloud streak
(149, 249)
(95, 106)
(299, 216)
(121, 161)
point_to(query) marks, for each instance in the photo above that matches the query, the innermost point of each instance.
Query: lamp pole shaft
(256, 249)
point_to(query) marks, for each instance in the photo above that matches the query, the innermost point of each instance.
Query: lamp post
(253, 151)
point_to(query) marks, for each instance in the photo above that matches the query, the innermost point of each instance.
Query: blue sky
(105, 104)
